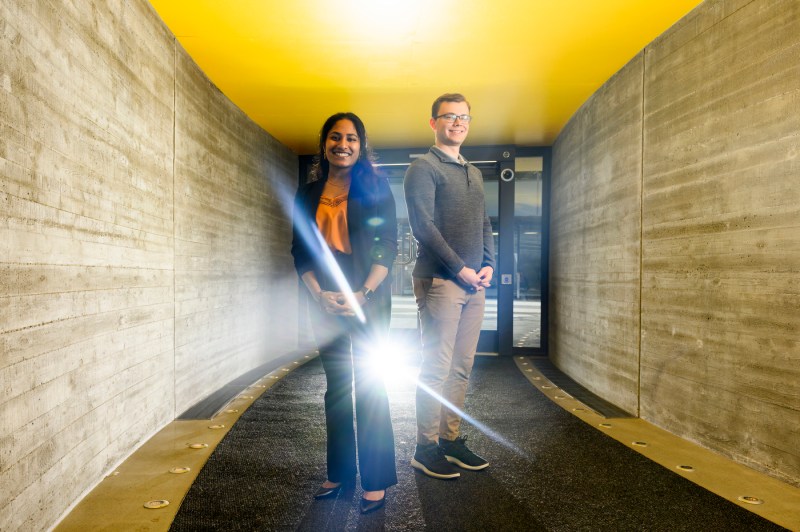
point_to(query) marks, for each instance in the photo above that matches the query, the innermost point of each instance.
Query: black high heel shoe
(324, 493)
(368, 506)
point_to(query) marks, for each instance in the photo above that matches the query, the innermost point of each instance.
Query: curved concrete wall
(675, 261)
(142, 241)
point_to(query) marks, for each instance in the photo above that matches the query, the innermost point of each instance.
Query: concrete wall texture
(142, 240)
(675, 260)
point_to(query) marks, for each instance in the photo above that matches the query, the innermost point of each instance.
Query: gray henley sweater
(447, 213)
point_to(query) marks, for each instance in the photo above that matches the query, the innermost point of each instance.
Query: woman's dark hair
(363, 173)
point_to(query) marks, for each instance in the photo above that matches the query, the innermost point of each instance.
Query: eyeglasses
(451, 117)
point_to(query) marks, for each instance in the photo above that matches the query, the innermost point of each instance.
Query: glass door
(529, 255)
(515, 188)
(522, 255)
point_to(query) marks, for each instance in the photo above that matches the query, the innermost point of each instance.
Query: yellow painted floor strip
(118, 501)
(779, 501)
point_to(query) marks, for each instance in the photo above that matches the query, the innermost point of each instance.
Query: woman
(348, 209)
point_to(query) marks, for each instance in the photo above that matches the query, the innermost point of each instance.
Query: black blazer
(372, 227)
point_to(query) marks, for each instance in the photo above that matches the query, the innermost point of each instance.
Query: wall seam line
(174, 232)
(641, 237)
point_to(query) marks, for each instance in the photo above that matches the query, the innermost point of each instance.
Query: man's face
(451, 133)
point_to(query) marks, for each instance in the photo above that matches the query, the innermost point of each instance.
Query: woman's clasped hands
(337, 302)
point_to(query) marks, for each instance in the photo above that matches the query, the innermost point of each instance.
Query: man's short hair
(449, 97)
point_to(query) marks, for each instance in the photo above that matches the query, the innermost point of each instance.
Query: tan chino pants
(450, 321)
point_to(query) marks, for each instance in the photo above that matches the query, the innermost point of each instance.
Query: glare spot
(390, 361)
(375, 221)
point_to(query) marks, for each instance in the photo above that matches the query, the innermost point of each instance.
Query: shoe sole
(459, 463)
(421, 467)
(367, 506)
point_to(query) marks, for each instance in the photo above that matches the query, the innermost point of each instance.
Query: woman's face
(342, 145)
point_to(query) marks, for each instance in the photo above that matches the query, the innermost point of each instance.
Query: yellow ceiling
(525, 65)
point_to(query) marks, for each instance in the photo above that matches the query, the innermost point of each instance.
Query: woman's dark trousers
(344, 350)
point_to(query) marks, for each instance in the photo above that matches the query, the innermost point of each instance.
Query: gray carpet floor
(550, 471)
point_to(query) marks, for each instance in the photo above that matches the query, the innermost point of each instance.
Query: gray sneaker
(430, 460)
(457, 453)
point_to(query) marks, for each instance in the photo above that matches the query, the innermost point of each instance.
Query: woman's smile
(342, 146)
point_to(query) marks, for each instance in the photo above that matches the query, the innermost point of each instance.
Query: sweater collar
(445, 158)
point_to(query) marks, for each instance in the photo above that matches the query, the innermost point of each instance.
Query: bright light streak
(338, 275)
(477, 424)
(310, 233)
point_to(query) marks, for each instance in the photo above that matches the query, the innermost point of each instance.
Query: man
(455, 263)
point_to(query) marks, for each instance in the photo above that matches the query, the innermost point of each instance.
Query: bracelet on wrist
(367, 293)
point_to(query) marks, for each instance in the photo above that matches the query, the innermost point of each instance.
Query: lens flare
(309, 232)
(395, 362)
(391, 359)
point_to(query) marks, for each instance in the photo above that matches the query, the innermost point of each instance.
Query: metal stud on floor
(198, 445)
(159, 503)
(215, 427)
(750, 500)
(686, 468)
(180, 470)
(639, 443)
(606, 425)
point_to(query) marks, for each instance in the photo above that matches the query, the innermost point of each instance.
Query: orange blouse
(332, 218)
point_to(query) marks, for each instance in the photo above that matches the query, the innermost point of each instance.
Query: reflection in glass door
(527, 292)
